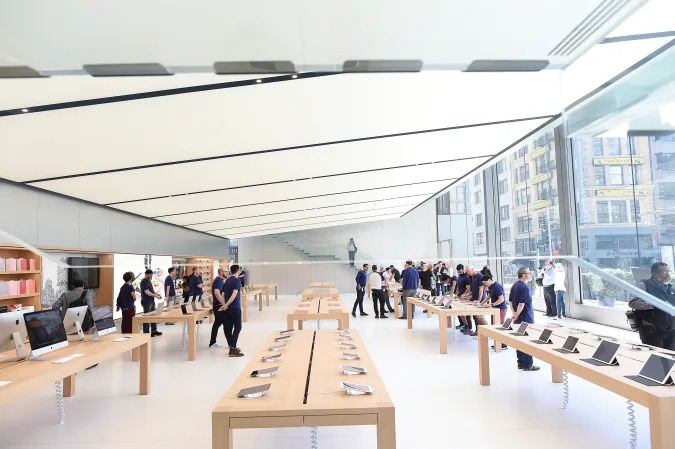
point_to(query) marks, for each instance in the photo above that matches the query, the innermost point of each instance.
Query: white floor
(439, 402)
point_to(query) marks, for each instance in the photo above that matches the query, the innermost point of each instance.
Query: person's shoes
(391, 310)
(156, 334)
(424, 311)
(556, 318)
(199, 321)
(466, 331)
(383, 316)
(473, 334)
(215, 345)
(377, 316)
(364, 314)
(503, 346)
(234, 352)
(563, 317)
(520, 366)
(531, 368)
(354, 313)
(403, 317)
(459, 327)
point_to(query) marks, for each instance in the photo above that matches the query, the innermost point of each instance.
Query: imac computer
(46, 332)
(12, 335)
(72, 322)
(104, 323)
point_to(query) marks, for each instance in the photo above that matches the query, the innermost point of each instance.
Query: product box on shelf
(32, 265)
(15, 308)
(2, 264)
(11, 264)
(4, 288)
(21, 264)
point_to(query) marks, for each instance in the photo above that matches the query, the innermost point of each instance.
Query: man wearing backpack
(77, 297)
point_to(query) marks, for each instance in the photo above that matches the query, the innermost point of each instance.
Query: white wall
(43, 219)
(379, 242)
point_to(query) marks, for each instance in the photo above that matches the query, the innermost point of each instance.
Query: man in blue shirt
(477, 293)
(218, 302)
(231, 292)
(496, 298)
(520, 298)
(549, 289)
(361, 281)
(169, 287)
(463, 289)
(196, 284)
(148, 296)
(410, 282)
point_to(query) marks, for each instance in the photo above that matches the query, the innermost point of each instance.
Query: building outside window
(616, 175)
(480, 238)
(505, 234)
(476, 179)
(477, 197)
(503, 187)
(504, 213)
(479, 220)
(600, 176)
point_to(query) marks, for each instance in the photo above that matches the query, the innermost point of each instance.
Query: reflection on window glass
(623, 223)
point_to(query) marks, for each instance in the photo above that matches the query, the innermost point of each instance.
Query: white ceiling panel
(308, 224)
(239, 206)
(316, 162)
(255, 118)
(67, 34)
(286, 218)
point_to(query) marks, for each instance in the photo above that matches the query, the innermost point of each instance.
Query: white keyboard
(68, 358)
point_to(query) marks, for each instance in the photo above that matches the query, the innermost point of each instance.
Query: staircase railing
(320, 248)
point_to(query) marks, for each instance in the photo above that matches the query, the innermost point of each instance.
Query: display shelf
(27, 295)
(27, 299)
(12, 273)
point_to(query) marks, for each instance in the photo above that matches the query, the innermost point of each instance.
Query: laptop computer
(605, 354)
(522, 330)
(507, 325)
(544, 338)
(570, 346)
(656, 371)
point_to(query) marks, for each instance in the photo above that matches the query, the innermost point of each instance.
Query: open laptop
(544, 338)
(656, 371)
(522, 330)
(570, 346)
(605, 355)
(507, 325)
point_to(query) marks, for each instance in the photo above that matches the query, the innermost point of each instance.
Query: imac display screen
(44, 328)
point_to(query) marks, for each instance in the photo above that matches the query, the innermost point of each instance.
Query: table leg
(267, 297)
(443, 332)
(300, 324)
(429, 313)
(498, 344)
(135, 329)
(276, 292)
(69, 386)
(409, 313)
(556, 374)
(192, 339)
(211, 317)
(345, 321)
(260, 301)
(396, 297)
(289, 322)
(386, 428)
(483, 359)
(221, 434)
(245, 311)
(144, 387)
(661, 427)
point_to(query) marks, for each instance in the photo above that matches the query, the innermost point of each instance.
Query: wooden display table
(27, 376)
(300, 397)
(459, 308)
(659, 400)
(397, 299)
(175, 315)
(319, 309)
(245, 296)
(321, 284)
(321, 292)
(267, 288)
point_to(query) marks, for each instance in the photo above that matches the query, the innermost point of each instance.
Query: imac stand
(19, 347)
(80, 333)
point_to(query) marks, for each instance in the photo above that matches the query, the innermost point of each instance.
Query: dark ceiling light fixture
(507, 65)
(382, 65)
(140, 69)
(253, 67)
(20, 71)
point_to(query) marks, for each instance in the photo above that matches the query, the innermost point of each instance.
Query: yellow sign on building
(621, 192)
(541, 178)
(619, 160)
(542, 204)
(538, 152)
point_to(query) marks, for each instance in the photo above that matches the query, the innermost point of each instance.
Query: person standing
(361, 281)
(196, 284)
(351, 249)
(78, 293)
(185, 285)
(520, 298)
(410, 282)
(438, 272)
(549, 288)
(387, 277)
(463, 290)
(426, 277)
(148, 296)
(169, 287)
(126, 302)
(496, 298)
(657, 328)
(559, 286)
(477, 294)
(231, 292)
(218, 302)
(375, 282)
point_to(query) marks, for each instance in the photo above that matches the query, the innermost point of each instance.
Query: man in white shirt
(375, 282)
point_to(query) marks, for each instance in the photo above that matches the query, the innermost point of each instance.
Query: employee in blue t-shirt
(476, 293)
(410, 282)
(520, 298)
(148, 296)
(126, 302)
(361, 281)
(169, 287)
(218, 302)
(496, 298)
(231, 292)
(196, 284)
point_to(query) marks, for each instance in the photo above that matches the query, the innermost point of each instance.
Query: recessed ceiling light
(258, 81)
(24, 110)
